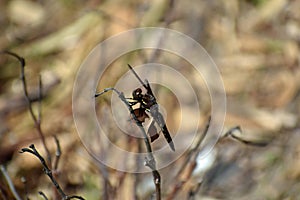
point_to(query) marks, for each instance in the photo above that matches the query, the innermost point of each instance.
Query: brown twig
(40, 96)
(136, 175)
(194, 191)
(230, 133)
(156, 178)
(188, 160)
(57, 153)
(48, 172)
(193, 150)
(43, 195)
(9, 182)
(37, 120)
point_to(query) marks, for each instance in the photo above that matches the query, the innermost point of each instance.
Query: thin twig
(194, 191)
(136, 175)
(194, 149)
(192, 153)
(47, 171)
(230, 133)
(57, 153)
(43, 195)
(74, 197)
(156, 178)
(10, 183)
(40, 92)
(37, 121)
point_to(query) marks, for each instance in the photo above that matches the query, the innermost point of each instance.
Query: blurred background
(255, 44)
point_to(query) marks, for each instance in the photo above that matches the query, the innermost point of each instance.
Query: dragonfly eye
(137, 93)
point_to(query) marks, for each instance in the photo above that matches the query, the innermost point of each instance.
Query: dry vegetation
(255, 43)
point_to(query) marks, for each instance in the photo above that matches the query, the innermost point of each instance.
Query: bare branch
(74, 197)
(43, 195)
(194, 191)
(37, 121)
(230, 133)
(188, 160)
(194, 149)
(57, 153)
(9, 182)
(40, 95)
(47, 171)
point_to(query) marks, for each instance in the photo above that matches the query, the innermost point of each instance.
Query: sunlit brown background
(255, 44)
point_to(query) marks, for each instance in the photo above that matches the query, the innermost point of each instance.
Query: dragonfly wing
(152, 132)
(157, 116)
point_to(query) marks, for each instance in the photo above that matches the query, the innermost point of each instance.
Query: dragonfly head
(137, 94)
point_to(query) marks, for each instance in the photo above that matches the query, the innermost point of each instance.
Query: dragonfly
(147, 102)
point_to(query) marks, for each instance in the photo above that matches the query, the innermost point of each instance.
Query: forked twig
(37, 120)
(48, 172)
